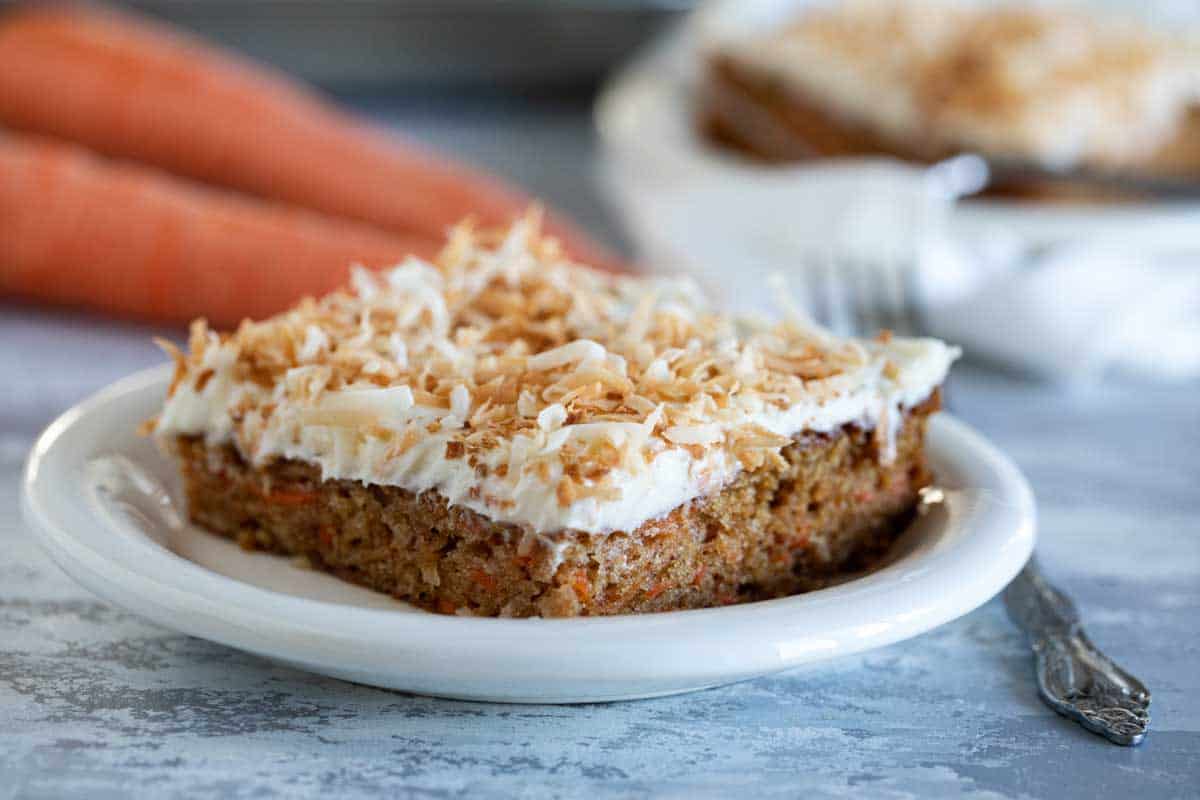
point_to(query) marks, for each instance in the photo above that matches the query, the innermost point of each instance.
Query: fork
(1074, 677)
(856, 296)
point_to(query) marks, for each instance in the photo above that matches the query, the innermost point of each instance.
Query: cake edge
(737, 112)
(832, 504)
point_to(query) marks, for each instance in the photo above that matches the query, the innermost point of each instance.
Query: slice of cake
(1062, 88)
(505, 433)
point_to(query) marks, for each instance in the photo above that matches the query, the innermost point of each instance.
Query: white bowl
(125, 541)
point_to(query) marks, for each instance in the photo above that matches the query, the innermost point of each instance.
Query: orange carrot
(282, 497)
(78, 230)
(135, 89)
(579, 582)
(325, 536)
(484, 580)
(655, 590)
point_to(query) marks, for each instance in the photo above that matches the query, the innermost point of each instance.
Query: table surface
(96, 703)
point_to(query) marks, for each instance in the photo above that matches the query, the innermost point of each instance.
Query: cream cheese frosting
(1061, 87)
(535, 391)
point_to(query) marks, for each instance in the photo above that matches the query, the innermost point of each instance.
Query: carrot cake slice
(503, 432)
(1061, 88)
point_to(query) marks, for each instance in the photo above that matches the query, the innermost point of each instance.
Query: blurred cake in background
(1062, 89)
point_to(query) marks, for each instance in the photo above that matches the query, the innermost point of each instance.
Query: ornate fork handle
(1075, 678)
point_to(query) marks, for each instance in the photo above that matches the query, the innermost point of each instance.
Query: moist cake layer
(827, 504)
(534, 392)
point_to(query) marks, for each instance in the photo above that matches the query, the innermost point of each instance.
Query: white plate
(126, 546)
(646, 120)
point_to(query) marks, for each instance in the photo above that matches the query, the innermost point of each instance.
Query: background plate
(646, 121)
(124, 541)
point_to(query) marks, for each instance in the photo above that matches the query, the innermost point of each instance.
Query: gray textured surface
(95, 703)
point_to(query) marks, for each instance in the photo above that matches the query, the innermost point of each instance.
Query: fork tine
(910, 293)
(855, 295)
(895, 274)
(814, 286)
(858, 278)
(828, 293)
(842, 295)
(891, 301)
(879, 312)
(896, 300)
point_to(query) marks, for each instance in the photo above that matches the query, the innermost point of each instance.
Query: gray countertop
(98, 704)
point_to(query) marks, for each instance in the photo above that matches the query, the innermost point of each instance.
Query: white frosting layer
(866, 396)
(532, 390)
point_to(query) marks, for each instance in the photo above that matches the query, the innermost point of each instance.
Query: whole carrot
(131, 88)
(78, 230)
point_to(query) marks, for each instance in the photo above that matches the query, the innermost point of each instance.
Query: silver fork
(1074, 677)
(855, 296)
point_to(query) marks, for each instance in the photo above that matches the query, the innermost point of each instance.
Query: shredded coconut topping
(532, 389)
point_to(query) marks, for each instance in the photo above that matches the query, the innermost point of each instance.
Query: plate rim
(231, 610)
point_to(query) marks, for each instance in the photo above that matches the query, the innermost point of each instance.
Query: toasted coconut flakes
(179, 359)
(202, 379)
(567, 492)
(399, 350)
(339, 418)
(316, 342)
(693, 434)
(578, 350)
(460, 402)
(363, 281)
(552, 417)
(527, 405)
(500, 345)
